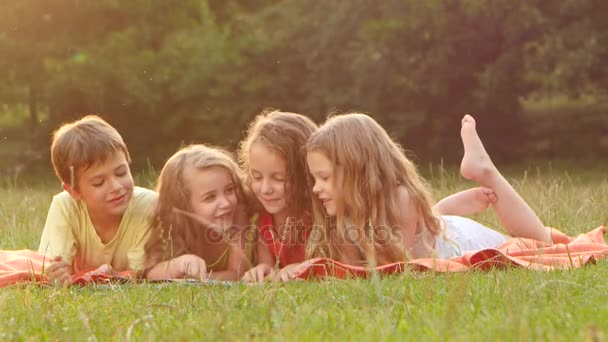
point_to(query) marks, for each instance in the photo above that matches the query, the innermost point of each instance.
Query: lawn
(508, 305)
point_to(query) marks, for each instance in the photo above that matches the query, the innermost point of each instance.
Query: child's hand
(58, 272)
(258, 273)
(289, 272)
(490, 194)
(104, 269)
(192, 266)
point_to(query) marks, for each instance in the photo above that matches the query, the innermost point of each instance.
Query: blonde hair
(286, 134)
(173, 233)
(78, 145)
(372, 167)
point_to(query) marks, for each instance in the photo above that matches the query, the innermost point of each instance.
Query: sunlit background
(165, 73)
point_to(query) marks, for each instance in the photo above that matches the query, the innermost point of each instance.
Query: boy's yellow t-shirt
(69, 233)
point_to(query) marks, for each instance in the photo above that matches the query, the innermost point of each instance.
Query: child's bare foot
(476, 164)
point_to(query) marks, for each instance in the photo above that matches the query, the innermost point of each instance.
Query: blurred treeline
(167, 72)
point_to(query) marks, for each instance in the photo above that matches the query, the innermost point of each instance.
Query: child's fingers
(272, 274)
(250, 276)
(51, 268)
(246, 277)
(105, 269)
(259, 276)
(202, 269)
(61, 272)
(56, 264)
(192, 266)
(490, 194)
(66, 279)
(256, 275)
(57, 269)
(286, 276)
(60, 277)
(493, 198)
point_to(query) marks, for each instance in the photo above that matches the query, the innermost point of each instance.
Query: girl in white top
(371, 206)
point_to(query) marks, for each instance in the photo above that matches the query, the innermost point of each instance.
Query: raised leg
(515, 215)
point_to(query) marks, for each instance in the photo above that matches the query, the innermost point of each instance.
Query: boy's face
(105, 187)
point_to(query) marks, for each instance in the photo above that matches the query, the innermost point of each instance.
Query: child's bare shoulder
(403, 195)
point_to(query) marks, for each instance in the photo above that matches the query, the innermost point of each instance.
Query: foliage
(185, 71)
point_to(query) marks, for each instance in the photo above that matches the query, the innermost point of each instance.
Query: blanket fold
(566, 252)
(26, 266)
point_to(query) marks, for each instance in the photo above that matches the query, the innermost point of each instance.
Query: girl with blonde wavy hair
(372, 207)
(200, 227)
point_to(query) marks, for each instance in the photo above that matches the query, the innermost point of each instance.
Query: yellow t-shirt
(69, 233)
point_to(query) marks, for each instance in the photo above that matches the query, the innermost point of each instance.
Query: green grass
(510, 305)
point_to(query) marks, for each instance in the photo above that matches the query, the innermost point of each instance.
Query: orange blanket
(25, 266)
(566, 252)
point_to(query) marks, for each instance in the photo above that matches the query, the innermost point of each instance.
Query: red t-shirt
(292, 247)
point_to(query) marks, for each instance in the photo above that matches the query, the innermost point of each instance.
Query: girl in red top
(272, 156)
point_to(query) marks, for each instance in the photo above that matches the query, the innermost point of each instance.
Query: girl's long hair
(173, 232)
(286, 134)
(372, 167)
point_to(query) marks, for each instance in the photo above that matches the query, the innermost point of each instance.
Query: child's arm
(266, 262)
(137, 258)
(58, 241)
(183, 266)
(414, 234)
(237, 259)
(57, 237)
(466, 202)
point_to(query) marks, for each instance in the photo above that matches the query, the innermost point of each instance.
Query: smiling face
(105, 187)
(268, 174)
(213, 197)
(322, 170)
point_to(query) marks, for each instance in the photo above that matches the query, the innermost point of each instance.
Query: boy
(101, 221)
